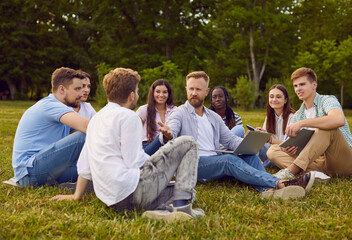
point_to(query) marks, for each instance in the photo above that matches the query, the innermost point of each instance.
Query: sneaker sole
(167, 217)
(310, 182)
(285, 193)
(321, 180)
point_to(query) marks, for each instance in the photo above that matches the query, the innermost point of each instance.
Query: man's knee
(272, 150)
(186, 139)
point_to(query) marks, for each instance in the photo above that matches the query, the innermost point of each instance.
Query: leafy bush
(244, 93)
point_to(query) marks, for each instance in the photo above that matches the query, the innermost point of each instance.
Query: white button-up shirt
(279, 121)
(112, 154)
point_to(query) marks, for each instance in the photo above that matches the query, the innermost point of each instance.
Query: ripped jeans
(178, 156)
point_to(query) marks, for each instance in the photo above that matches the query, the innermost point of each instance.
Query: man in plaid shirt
(329, 150)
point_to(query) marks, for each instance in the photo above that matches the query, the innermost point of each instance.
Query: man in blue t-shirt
(43, 151)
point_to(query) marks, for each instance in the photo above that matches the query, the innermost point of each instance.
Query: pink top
(142, 113)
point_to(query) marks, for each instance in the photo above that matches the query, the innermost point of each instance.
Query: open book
(251, 144)
(301, 140)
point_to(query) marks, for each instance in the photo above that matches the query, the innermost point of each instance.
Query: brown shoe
(306, 181)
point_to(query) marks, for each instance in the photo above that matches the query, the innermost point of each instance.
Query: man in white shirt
(123, 175)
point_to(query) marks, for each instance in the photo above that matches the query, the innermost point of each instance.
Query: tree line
(244, 45)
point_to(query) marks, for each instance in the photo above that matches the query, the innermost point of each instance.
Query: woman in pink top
(159, 105)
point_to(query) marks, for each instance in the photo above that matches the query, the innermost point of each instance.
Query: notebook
(301, 140)
(250, 145)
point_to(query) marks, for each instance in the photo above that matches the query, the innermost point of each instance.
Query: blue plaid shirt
(322, 105)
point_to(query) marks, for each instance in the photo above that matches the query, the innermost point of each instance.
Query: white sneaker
(321, 178)
(12, 182)
(284, 174)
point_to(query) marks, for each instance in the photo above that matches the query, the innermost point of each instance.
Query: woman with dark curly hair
(218, 100)
(159, 105)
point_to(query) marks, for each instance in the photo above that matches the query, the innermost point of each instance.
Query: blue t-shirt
(39, 127)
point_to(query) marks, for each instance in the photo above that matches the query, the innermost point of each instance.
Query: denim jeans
(238, 130)
(151, 148)
(178, 156)
(246, 168)
(56, 163)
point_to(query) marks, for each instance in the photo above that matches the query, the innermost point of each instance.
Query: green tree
(168, 71)
(243, 94)
(313, 23)
(342, 71)
(36, 38)
(100, 95)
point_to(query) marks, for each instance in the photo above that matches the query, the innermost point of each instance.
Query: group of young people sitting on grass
(131, 157)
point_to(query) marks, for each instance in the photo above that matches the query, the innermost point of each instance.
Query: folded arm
(75, 121)
(334, 119)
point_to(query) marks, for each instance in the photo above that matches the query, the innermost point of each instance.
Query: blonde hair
(119, 83)
(198, 74)
(303, 71)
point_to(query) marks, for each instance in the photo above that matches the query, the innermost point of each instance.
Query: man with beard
(209, 131)
(44, 152)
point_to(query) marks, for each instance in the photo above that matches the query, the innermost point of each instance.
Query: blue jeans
(246, 168)
(151, 148)
(238, 130)
(56, 163)
(264, 157)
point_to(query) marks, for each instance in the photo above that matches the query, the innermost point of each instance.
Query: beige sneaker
(285, 193)
(175, 213)
(284, 174)
(167, 216)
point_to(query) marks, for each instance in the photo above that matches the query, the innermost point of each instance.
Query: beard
(73, 104)
(197, 103)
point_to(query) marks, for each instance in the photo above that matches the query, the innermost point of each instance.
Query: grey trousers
(178, 157)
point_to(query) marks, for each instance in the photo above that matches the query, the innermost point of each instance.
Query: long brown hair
(151, 111)
(270, 112)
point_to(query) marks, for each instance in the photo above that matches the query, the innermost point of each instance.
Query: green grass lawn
(233, 210)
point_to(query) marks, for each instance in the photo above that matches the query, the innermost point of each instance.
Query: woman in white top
(84, 108)
(159, 106)
(278, 115)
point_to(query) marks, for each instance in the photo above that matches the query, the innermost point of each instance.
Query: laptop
(251, 144)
